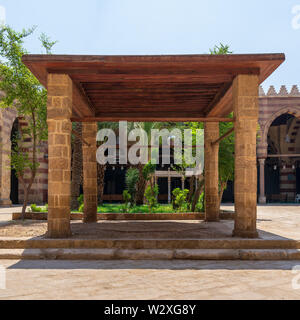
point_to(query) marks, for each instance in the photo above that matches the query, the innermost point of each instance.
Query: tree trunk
(192, 189)
(33, 168)
(76, 168)
(141, 186)
(24, 203)
(223, 186)
(101, 180)
(198, 192)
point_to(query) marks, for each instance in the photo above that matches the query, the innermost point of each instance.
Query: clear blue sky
(164, 27)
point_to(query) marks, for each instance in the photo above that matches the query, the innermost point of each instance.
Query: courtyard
(156, 279)
(274, 222)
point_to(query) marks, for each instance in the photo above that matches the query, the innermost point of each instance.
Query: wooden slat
(149, 88)
(222, 105)
(81, 104)
(159, 117)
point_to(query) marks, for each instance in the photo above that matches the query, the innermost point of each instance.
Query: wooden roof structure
(153, 88)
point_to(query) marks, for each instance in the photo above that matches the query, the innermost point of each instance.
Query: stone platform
(278, 227)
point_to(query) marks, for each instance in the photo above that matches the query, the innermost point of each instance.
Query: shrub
(180, 199)
(35, 208)
(80, 200)
(127, 198)
(132, 177)
(151, 195)
(200, 205)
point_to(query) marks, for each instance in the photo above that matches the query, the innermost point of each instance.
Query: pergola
(204, 88)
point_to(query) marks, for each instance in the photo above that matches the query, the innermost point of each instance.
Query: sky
(121, 27)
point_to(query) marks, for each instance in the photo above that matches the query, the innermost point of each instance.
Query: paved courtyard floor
(162, 279)
(150, 280)
(274, 222)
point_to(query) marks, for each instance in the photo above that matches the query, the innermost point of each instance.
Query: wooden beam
(222, 104)
(135, 117)
(223, 136)
(283, 155)
(81, 104)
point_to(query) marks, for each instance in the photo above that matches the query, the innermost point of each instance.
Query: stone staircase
(158, 249)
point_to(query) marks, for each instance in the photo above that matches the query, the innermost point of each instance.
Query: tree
(226, 146)
(23, 92)
(221, 49)
(147, 126)
(132, 177)
(77, 163)
(101, 168)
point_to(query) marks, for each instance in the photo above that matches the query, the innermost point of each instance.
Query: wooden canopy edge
(163, 117)
(39, 64)
(152, 69)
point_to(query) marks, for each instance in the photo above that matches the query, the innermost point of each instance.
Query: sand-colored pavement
(162, 279)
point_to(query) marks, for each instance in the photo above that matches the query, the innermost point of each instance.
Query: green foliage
(131, 179)
(23, 92)
(80, 200)
(226, 155)
(221, 49)
(47, 43)
(81, 208)
(180, 199)
(20, 160)
(127, 199)
(148, 170)
(151, 195)
(200, 205)
(35, 208)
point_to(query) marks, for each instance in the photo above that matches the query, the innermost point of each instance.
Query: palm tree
(101, 168)
(141, 185)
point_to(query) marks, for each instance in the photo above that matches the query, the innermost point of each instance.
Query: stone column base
(59, 229)
(5, 203)
(245, 234)
(212, 219)
(262, 200)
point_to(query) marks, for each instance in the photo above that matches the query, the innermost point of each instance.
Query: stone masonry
(59, 143)
(212, 209)
(89, 132)
(245, 104)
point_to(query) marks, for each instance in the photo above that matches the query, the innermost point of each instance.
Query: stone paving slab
(150, 280)
(150, 254)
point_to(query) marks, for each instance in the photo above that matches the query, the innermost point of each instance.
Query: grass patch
(117, 208)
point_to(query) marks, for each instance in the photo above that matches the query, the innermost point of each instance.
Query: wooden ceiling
(152, 88)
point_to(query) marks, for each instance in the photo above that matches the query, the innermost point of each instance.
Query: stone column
(89, 133)
(245, 105)
(262, 195)
(5, 171)
(169, 188)
(59, 150)
(212, 204)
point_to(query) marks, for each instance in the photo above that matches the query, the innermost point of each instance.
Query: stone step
(148, 244)
(149, 254)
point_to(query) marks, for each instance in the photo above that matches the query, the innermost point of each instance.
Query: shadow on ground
(155, 265)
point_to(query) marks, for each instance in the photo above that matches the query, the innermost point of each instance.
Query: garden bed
(225, 215)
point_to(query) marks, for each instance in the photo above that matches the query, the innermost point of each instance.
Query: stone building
(278, 154)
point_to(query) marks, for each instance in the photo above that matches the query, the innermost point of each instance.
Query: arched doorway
(14, 185)
(283, 158)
